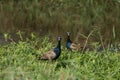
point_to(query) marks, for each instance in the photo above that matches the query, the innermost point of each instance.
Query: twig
(87, 40)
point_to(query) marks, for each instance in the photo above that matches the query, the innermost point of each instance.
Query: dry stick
(101, 39)
(87, 40)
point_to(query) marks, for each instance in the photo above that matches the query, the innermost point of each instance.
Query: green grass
(19, 61)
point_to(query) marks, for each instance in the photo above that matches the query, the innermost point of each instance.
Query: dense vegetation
(54, 17)
(19, 61)
(94, 22)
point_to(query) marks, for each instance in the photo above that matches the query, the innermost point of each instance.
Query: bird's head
(68, 33)
(59, 38)
(68, 37)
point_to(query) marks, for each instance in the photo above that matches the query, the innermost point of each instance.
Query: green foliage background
(55, 17)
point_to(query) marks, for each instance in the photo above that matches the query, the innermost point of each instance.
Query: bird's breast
(68, 44)
(57, 51)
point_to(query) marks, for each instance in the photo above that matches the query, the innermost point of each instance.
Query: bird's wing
(49, 55)
(74, 46)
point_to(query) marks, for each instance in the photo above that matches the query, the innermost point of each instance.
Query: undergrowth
(19, 61)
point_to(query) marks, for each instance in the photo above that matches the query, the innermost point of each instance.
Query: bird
(54, 53)
(71, 45)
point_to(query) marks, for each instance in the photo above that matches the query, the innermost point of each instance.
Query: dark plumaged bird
(70, 45)
(53, 53)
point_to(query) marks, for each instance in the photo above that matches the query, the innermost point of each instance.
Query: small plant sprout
(6, 36)
(33, 36)
(20, 35)
(113, 31)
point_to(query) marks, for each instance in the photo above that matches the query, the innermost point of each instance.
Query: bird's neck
(68, 40)
(59, 44)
